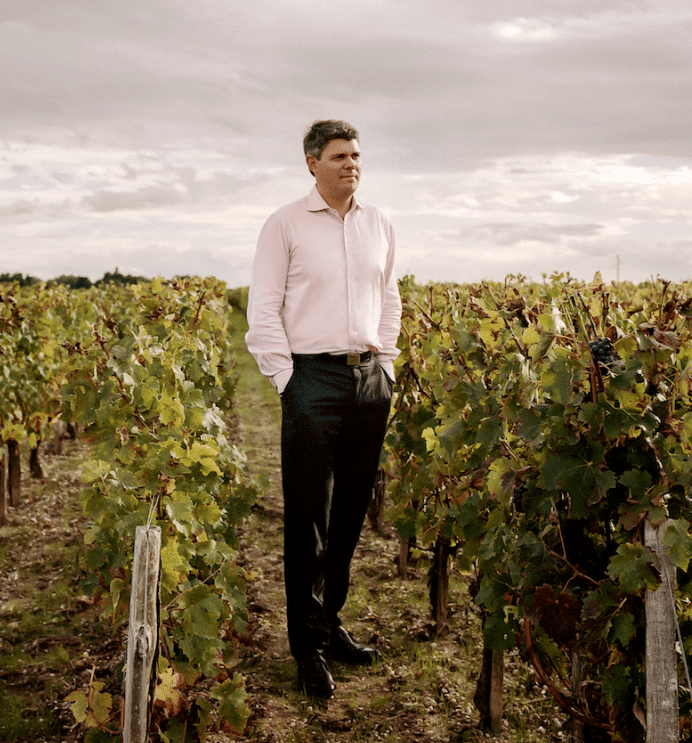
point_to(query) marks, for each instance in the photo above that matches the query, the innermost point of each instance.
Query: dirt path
(280, 712)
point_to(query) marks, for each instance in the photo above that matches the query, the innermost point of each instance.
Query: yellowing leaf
(430, 438)
(78, 700)
(101, 703)
(491, 328)
(171, 410)
(168, 694)
(173, 567)
(530, 336)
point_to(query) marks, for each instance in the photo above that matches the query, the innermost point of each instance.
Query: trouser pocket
(373, 385)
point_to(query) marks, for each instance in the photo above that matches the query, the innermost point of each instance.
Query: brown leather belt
(350, 359)
(353, 359)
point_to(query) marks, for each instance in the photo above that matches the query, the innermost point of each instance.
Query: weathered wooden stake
(489, 690)
(143, 633)
(496, 690)
(662, 719)
(35, 462)
(576, 731)
(3, 490)
(14, 473)
(439, 585)
(404, 551)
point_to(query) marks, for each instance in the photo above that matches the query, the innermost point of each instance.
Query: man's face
(337, 172)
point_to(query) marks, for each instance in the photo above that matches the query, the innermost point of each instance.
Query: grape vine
(535, 428)
(152, 389)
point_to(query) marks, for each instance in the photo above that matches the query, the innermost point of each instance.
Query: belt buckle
(353, 359)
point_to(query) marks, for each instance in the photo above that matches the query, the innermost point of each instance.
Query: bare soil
(51, 640)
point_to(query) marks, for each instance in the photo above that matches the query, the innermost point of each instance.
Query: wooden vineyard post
(404, 552)
(14, 472)
(3, 489)
(578, 672)
(143, 633)
(439, 585)
(662, 719)
(496, 689)
(489, 690)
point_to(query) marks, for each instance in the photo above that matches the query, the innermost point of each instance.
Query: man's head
(332, 154)
(322, 132)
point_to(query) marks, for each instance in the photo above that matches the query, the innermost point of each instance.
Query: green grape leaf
(557, 381)
(678, 541)
(631, 567)
(623, 628)
(232, 699)
(489, 432)
(638, 481)
(202, 611)
(617, 686)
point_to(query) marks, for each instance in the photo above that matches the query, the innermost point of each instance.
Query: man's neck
(341, 205)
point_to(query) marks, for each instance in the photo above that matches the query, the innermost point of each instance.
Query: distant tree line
(11, 278)
(74, 282)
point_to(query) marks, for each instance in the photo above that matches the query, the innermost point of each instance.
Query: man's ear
(311, 160)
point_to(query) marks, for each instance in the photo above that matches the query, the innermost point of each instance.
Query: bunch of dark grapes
(602, 351)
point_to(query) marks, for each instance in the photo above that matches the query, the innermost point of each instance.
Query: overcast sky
(503, 137)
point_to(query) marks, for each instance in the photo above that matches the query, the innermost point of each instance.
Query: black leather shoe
(343, 648)
(314, 677)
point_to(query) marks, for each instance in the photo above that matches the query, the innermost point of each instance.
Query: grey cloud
(157, 259)
(152, 196)
(182, 186)
(508, 233)
(23, 209)
(103, 72)
(19, 208)
(431, 82)
(644, 260)
(140, 181)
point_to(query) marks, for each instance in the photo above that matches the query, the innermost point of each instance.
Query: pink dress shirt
(322, 285)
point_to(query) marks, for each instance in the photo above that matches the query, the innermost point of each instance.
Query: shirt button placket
(349, 285)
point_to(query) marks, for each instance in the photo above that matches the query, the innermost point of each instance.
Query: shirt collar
(315, 202)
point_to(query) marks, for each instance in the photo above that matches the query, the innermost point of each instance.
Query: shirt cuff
(280, 379)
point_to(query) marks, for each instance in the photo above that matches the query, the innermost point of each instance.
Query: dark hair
(322, 132)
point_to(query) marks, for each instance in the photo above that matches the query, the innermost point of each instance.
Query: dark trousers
(334, 418)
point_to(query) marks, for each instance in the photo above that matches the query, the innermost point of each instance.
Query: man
(324, 315)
